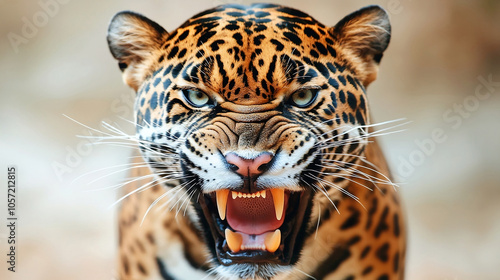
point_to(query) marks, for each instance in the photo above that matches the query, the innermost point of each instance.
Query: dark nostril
(233, 167)
(249, 167)
(263, 167)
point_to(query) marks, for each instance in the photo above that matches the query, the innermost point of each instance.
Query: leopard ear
(132, 40)
(363, 36)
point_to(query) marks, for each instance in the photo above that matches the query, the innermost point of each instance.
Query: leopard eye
(304, 97)
(196, 98)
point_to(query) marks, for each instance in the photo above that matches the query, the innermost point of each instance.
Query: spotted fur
(251, 62)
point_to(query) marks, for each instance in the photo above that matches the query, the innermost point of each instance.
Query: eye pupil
(303, 98)
(195, 97)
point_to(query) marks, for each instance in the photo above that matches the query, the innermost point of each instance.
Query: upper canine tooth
(263, 194)
(279, 202)
(273, 241)
(233, 240)
(222, 196)
(234, 194)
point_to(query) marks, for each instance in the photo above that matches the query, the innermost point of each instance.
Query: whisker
(307, 275)
(366, 135)
(131, 165)
(118, 171)
(335, 186)
(323, 190)
(176, 189)
(338, 175)
(319, 219)
(379, 180)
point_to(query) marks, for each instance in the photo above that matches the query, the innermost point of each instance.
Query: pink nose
(249, 167)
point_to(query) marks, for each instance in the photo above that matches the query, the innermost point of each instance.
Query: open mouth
(259, 227)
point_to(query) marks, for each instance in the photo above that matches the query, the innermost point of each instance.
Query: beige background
(66, 228)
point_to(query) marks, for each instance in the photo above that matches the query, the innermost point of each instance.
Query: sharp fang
(263, 194)
(222, 196)
(233, 240)
(234, 194)
(279, 202)
(273, 241)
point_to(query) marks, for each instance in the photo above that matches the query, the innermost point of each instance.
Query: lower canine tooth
(233, 240)
(222, 202)
(273, 241)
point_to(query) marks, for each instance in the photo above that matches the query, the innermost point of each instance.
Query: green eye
(196, 98)
(304, 97)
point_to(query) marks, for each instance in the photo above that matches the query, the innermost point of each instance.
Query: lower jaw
(287, 253)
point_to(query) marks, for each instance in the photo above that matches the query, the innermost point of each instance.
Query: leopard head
(241, 108)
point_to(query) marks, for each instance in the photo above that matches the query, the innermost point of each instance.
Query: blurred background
(441, 72)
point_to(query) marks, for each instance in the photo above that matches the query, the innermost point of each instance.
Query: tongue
(252, 215)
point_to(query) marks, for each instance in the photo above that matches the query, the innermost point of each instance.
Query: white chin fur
(249, 271)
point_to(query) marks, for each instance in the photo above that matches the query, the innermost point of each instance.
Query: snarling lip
(259, 227)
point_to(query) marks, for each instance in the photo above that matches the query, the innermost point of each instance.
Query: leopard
(256, 155)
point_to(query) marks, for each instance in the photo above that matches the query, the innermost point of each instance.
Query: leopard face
(240, 113)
